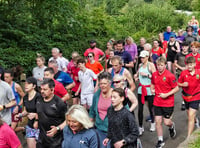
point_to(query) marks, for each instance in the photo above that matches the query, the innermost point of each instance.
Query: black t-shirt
(50, 113)
(31, 106)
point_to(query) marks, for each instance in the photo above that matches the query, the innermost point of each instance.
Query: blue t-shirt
(126, 57)
(167, 35)
(63, 78)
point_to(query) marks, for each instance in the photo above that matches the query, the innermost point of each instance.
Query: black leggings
(140, 110)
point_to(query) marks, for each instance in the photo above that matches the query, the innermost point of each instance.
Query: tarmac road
(149, 139)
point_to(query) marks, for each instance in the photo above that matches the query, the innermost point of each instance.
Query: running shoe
(148, 119)
(153, 127)
(160, 144)
(141, 130)
(172, 131)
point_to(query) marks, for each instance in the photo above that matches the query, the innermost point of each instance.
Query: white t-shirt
(61, 63)
(6, 95)
(86, 79)
(38, 73)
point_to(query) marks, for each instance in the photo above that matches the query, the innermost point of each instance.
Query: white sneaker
(153, 127)
(141, 130)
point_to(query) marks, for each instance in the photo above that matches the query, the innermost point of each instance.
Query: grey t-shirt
(38, 73)
(6, 95)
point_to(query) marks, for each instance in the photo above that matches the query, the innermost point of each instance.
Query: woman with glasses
(95, 66)
(144, 74)
(130, 98)
(101, 103)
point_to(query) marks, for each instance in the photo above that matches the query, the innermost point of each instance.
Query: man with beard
(97, 52)
(50, 117)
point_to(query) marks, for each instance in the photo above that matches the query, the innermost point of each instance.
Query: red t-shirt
(59, 89)
(96, 67)
(97, 52)
(197, 59)
(164, 46)
(158, 52)
(193, 85)
(163, 83)
(8, 138)
(74, 73)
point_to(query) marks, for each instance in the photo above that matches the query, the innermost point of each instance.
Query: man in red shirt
(97, 52)
(59, 89)
(164, 86)
(189, 80)
(195, 47)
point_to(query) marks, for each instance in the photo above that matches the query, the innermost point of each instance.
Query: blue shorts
(32, 133)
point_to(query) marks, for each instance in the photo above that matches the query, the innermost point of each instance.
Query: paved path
(149, 139)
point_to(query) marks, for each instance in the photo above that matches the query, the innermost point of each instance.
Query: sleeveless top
(121, 72)
(108, 64)
(16, 94)
(170, 51)
(144, 80)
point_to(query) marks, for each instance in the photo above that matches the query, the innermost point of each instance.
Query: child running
(85, 77)
(122, 127)
(164, 86)
(179, 63)
(189, 80)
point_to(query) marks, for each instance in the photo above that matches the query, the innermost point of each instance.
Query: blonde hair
(80, 114)
(129, 39)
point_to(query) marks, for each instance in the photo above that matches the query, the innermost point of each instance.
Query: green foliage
(181, 4)
(195, 5)
(30, 26)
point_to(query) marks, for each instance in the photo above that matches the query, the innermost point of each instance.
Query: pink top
(8, 138)
(103, 106)
(97, 52)
(69, 67)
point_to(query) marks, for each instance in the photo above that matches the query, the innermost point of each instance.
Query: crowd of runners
(101, 86)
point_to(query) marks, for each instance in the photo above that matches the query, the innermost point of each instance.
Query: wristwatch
(124, 142)
(58, 128)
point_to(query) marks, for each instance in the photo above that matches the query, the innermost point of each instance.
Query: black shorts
(166, 112)
(73, 95)
(193, 105)
(171, 57)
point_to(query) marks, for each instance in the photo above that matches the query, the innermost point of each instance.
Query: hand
(31, 116)
(163, 95)
(1, 107)
(118, 144)
(105, 141)
(173, 49)
(35, 125)
(76, 78)
(76, 94)
(152, 91)
(185, 84)
(143, 74)
(52, 132)
(16, 109)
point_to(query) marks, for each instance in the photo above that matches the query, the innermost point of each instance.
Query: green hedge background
(28, 27)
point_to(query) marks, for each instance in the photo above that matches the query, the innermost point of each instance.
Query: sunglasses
(117, 81)
(90, 56)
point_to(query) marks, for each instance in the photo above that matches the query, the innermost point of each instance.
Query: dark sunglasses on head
(117, 81)
(90, 56)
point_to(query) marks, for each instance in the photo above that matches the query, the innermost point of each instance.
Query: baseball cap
(144, 53)
(172, 36)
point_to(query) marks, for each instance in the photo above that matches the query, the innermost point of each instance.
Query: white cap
(144, 53)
